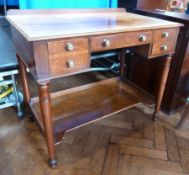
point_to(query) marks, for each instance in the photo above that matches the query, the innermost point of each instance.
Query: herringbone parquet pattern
(128, 143)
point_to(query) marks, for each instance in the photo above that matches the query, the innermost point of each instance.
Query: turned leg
(23, 73)
(45, 106)
(163, 79)
(122, 56)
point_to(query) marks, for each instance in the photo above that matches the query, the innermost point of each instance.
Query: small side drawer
(68, 55)
(161, 48)
(63, 64)
(68, 46)
(162, 35)
(114, 41)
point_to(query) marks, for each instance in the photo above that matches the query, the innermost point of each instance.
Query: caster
(52, 163)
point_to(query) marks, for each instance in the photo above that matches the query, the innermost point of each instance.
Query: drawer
(68, 46)
(63, 64)
(114, 41)
(165, 34)
(162, 48)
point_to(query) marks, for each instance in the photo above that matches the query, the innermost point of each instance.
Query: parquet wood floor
(128, 143)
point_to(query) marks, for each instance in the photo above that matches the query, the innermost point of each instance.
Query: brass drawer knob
(106, 43)
(142, 38)
(70, 63)
(164, 48)
(165, 34)
(69, 47)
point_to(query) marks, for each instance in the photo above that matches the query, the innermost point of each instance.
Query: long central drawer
(114, 41)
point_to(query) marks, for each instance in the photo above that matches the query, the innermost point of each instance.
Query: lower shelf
(82, 105)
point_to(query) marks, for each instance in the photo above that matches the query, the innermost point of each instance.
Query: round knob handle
(106, 43)
(164, 48)
(165, 35)
(69, 46)
(142, 38)
(70, 63)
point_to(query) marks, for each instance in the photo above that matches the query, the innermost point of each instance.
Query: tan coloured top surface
(51, 26)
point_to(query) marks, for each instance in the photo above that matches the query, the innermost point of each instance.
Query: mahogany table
(58, 43)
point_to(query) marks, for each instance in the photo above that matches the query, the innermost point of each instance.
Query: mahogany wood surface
(121, 40)
(127, 143)
(40, 26)
(45, 108)
(121, 29)
(165, 66)
(157, 48)
(61, 44)
(155, 4)
(172, 33)
(122, 56)
(23, 73)
(176, 88)
(59, 56)
(79, 106)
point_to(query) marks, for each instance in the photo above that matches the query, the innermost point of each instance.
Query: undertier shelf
(82, 105)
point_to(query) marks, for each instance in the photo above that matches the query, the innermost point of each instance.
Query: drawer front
(163, 35)
(162, 48)
(106, 42)
(68, 55)
(67, 46)
(64, 64)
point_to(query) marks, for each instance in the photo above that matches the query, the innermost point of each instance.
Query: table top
(51, 24)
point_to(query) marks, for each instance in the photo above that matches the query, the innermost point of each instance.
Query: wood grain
(59, 63)
(159, 137)
(144, 152)
(60, 46)
(111, 163)
(45, 106)
(156, 4)
(40, 26)
(120, 40)
(124, 164)
(157, 48)
(132, 141)
(20, 139)
(80, 106)
(172, 147)
(97, 102)
(176, 88)
(172, 34)
(168, 166)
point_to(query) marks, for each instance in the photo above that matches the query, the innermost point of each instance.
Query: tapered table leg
(45, 106)
(163, 79)
(23, 73)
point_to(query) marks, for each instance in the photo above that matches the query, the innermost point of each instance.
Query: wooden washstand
(58, 43)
